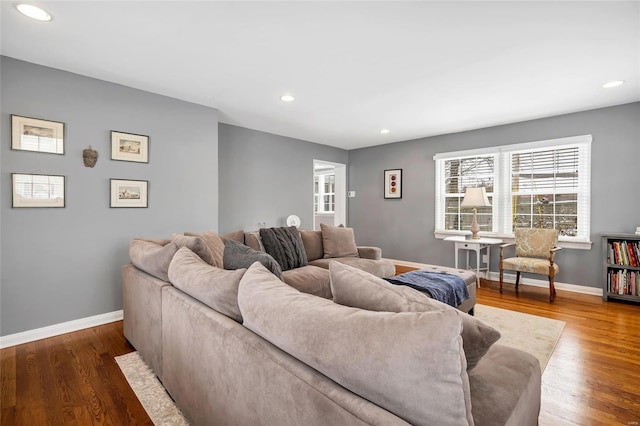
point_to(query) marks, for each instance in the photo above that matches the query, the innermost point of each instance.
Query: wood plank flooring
(593, 377)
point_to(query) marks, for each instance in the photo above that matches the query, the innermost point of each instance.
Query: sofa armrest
(374, 253)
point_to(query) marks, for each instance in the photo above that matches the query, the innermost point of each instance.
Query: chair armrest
(502, 247)
(552, 253)
(374, 253)
(556, 249)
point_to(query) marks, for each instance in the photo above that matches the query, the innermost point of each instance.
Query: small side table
(461, 243)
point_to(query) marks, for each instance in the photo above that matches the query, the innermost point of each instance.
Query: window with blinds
(545, 184)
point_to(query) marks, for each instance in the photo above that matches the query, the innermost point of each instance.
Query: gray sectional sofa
(242, 347)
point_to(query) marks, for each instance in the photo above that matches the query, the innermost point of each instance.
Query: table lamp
(475, 197)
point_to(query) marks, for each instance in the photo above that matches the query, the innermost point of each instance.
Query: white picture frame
(129, 147)
(129, 193)
(37, 135)
(37, 190)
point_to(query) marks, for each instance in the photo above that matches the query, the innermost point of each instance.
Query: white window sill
(577, 245)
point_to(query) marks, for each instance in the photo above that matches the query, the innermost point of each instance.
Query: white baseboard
(57, 329)
(511, 278)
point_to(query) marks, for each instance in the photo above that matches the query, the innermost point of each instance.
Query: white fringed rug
(152, 395)
(530, 333)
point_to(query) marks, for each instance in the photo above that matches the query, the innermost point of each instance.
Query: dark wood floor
(593, 376)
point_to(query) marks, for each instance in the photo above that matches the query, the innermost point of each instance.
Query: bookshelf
(621, 257)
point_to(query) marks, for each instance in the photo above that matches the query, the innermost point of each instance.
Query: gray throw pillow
(215, 287)
(285, 245)
(237, 255)
(411, 364)
(353, 287)
(338, 241)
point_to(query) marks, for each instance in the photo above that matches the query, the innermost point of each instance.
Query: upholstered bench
(468, 276)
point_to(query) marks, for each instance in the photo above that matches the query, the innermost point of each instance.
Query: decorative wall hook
(90, 157)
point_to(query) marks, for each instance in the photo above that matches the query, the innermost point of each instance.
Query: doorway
(329, 193)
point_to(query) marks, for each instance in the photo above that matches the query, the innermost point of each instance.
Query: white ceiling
(417, 68)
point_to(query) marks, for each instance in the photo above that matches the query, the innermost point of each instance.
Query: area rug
(152, 395)
(530, 333)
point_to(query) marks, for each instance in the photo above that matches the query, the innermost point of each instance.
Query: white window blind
(545, 184)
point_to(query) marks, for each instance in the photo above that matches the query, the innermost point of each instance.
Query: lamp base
(474, 225)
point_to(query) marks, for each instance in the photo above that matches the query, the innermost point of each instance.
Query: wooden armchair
(535, 251)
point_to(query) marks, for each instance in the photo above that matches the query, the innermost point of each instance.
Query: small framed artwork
(129, 193)
(31, 190)
(393, 183)
(129, 147)
(33, 134)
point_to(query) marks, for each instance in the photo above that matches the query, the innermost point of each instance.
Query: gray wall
(404, 228)
(64, 264)
(266, 177)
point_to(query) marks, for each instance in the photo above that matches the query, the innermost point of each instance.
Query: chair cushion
(154, 258)
(356, 288)
(215, 244)
(534, 242)
(312, 241)
(529, 264)
(411, 364)
(380, 268)
(309, 279)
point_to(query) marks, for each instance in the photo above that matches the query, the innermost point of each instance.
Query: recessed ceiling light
(384, 131)
(33, 12)
(287, 98)
(614, 83)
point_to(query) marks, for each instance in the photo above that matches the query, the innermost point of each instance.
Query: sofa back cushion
(215, 287)
(353, 287)
(312, 241)
(411, 364)
(285, 245)
(338, 241)
(237, 256)
(152, 257)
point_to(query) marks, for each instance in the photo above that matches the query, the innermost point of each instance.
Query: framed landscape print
(129, 147)
(393, 183)
(34, 134)
(129, 193)
(37, 190)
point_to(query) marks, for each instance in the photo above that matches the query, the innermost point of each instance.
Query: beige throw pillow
(411, 364)
(215, 287)
(214, 243)
(196, 245)
(338, 241)
(353, 287)
(151, 257)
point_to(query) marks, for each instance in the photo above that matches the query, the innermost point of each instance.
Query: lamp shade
(475, 197)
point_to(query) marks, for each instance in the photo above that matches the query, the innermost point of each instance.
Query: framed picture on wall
(31, 190)
(34, 134)
(129, 193)
(129, 147)
(393, 183)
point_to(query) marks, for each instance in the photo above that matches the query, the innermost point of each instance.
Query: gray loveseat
(242, 347)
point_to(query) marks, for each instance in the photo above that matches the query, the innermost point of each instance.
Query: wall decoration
(33, 134)
(129, 147)
(90, 157)
(129, 193)
(393, 183)
(31, 190)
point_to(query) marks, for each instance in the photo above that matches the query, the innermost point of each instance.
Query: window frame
(502, 193)
(319, 196)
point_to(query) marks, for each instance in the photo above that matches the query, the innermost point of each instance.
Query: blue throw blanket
(446, 288)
